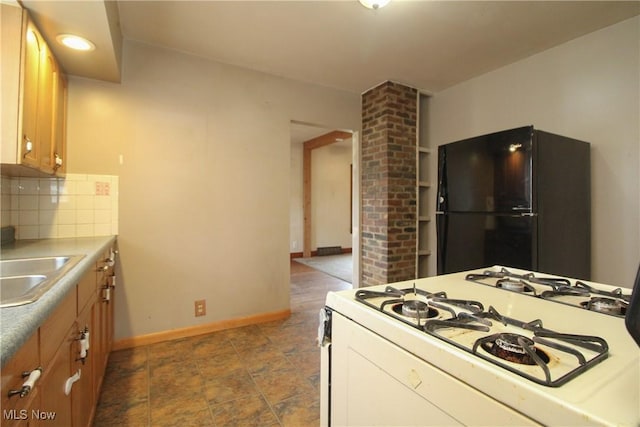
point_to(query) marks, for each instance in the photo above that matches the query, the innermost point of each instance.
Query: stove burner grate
(523, 348)
(616, 293)
(552, 282)
(558, 288)
(414, 306)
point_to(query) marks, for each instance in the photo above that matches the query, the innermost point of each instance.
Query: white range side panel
(376, 383)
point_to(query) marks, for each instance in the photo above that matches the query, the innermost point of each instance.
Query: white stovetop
(606, 394)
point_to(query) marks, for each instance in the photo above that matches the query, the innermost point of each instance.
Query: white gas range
(484, 347)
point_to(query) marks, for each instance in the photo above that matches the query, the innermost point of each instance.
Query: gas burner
(606, 305)
(514, 348)
(415, 309)
(514, 285)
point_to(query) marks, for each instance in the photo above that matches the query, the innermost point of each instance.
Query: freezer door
(489, 173)
(470, 241)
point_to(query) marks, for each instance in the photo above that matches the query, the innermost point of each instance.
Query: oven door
(324, 341)
(373, 382)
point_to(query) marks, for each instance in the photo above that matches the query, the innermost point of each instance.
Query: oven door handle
(324, 327)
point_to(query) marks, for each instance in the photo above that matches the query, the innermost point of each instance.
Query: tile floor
(262, 375)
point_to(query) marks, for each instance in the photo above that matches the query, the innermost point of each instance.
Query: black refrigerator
(518, 198)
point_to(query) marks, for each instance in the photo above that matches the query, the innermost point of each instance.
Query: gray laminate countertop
(18, 323)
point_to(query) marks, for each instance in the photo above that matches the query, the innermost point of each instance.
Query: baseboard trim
(293, 255)
(192, 331)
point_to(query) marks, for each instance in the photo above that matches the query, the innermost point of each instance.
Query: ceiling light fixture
(75, 42)
(374, 4)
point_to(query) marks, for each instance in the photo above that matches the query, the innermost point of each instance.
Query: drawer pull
(72, 379)
(106, 294)
(31, 377)
(84, 345)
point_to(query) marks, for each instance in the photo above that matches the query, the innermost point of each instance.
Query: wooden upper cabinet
(58, 158)
(36, 91)
(30, 148)
(46, 110)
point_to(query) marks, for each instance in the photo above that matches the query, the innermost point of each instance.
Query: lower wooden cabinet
(83, 393)
(18, 404)
(54, 400)
(71, 350)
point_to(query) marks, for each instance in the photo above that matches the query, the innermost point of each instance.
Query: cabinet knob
(57, 161)
(28, 146)
(31, 378)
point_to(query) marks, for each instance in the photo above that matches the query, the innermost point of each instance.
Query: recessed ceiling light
(374, 4)
(75, 42)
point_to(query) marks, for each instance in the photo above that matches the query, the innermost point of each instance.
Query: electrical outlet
(201, 307)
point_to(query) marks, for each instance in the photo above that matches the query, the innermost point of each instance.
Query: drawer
(86, 290)
(54, 330)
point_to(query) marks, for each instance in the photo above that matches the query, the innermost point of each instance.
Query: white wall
(296, 213)
(204, 181)
(330, 196)
(588, 89)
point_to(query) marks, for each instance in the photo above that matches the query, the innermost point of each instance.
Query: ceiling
(430, 45)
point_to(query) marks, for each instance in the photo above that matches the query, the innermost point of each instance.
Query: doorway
(324, 207)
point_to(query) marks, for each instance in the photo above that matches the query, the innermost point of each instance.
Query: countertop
(18, 323)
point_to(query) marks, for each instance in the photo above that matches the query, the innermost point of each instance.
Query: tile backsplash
(75, 206)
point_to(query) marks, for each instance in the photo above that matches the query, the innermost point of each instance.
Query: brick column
(388, 187)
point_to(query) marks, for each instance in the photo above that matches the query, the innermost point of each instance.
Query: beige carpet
(340, 266)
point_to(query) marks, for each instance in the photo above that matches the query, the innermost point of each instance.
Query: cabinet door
(83, 396)
(34, 50)
(104, 313)
(53, 398)
(16, 410)
(11, 27)
(28, 415)
(44, 131)
(59, 150)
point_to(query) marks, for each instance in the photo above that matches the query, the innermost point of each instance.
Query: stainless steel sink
(16, 286)
(23, 266)
(25, 280)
